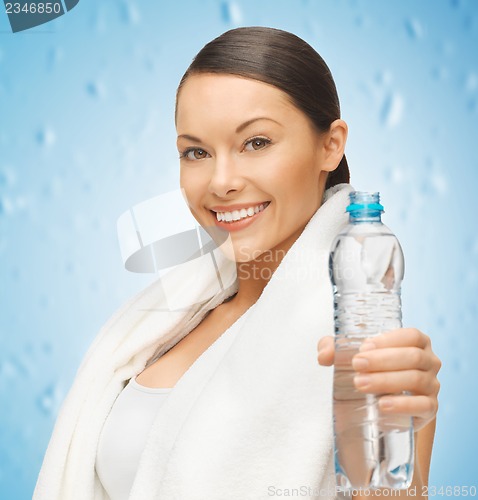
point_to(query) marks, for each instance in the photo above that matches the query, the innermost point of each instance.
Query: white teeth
(240, 214)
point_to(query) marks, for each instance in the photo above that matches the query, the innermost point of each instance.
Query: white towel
(255, 424)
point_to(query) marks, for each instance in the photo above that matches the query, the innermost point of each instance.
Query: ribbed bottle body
(366, 265)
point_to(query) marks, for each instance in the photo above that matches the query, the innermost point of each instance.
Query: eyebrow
(239, 129)
(253, 120)
(190, 138)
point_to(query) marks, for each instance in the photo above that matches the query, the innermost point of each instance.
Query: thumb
(326, 351)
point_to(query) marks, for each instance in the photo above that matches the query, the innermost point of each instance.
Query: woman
(226, 399)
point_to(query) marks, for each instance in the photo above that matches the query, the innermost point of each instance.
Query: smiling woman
(225, 399)
(263, 155)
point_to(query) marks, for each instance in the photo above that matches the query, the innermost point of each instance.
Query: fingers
(416, 406)
(421, 408)
(416, 382)
(391, 364)
(326, 351)
(403, 337)
(392, 358)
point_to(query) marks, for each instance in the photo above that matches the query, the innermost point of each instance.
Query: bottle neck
(365, 216)
(364, 207)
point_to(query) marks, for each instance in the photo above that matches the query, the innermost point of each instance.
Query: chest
(171, 366)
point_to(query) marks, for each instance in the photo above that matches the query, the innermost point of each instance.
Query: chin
(240, 254)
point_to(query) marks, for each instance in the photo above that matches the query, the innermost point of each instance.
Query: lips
(241, 223)
(239, 213)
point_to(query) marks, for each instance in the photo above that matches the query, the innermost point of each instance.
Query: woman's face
(246, 151)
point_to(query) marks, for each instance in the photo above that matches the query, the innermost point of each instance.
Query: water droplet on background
(439, 183)
(414, 28)
(53, 188)
(439, 73)
(471, 82)
(231, 13)
(359, 20)
(446, 48)
(470, 22)
(130, 13)
(23, 364)
(395, 175)
(95, 89)
(7, 177)
(46, 137)
(392, 110)
(6, 206)
(14, 368)
(456, 366)
(472, 105)
(47, 347)
(16, 273)
(45, 301)
(54, 56)
(471, 277)
(87, 186)
(21, 203)
(403, 215)
(69, 267)
(7, 370)
(26, 433)
(10, 206)
(49, 401)
(94, 286)
(384, 77)
(147, 58)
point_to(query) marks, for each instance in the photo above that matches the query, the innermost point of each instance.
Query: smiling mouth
(239, 215)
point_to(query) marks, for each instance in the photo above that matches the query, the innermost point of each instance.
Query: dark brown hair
(283, 60)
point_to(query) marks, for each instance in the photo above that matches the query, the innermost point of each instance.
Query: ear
(333, 146)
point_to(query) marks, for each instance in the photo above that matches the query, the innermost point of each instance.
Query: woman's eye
(256, 143)
(195, 154)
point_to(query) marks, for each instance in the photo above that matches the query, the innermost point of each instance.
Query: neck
(254, 275)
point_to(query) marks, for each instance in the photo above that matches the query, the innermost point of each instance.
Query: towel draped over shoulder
(255, 423)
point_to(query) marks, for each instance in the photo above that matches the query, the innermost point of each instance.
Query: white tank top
(126, 428)
(124, 436)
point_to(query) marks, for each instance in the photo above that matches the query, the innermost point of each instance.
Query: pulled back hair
(283, 60)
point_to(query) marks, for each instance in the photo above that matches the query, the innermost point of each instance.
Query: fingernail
(385, 404)
(362, 381)
(367, 346)
(320, 356)
(359, 363)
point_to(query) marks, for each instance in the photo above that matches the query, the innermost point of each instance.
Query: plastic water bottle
(366, 267)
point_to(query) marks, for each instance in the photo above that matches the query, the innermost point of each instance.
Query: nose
(225, 177)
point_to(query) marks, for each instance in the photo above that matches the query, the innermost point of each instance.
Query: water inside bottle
(371, 449)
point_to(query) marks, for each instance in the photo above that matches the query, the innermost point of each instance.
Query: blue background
(87, 131)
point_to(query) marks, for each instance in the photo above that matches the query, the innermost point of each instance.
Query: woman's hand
(393, 362)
